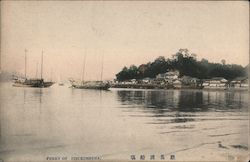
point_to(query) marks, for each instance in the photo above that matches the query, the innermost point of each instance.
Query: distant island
(186, 64)
(183, 70)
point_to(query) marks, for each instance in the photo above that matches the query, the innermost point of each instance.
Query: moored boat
(36, 83)
(100, 85)
(90, 85)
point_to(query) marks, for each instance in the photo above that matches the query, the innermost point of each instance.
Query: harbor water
(122, 124)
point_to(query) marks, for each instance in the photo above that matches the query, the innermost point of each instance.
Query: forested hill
(187, 64)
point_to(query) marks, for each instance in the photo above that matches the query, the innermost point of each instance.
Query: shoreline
(171, 87)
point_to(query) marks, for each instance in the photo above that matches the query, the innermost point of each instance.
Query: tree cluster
(186, 64)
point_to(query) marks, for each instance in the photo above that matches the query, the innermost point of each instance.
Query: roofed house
(146, 80)
(190, 81)
(240, 82)
(215, 83)
(169, 76)
(206, 83)
(158, 81)
(177, 84)
(133, 81)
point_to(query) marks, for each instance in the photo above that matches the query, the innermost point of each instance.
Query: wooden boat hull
(90, 85)
(34, 84)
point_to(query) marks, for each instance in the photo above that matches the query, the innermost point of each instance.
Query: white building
(171, 75)
(216, 82)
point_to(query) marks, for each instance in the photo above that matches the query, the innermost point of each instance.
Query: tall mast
(42, 66)
(83, 68)
(36, 69)
(25, 62)
(102, 67)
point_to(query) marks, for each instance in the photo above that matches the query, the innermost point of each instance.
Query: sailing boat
(37, 83)
(89, 84)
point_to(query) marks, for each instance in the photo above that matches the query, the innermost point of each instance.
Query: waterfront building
(146, 80)
(177, 83)
(240, 82)
(215, 83)
(170, 75)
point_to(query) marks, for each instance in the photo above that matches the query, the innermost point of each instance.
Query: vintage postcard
(118, 81)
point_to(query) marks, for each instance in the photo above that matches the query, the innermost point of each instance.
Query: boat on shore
(100, 85)
(35, 83)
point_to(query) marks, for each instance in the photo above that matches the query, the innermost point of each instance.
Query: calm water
(63, 122)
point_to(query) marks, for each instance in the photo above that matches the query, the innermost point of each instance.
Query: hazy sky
(124, 33)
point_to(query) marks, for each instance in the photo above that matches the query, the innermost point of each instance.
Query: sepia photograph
(153, 81)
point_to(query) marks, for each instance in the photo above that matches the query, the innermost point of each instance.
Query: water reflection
(184, 100)
(20, 115)
(181, 106)
(64, 120)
